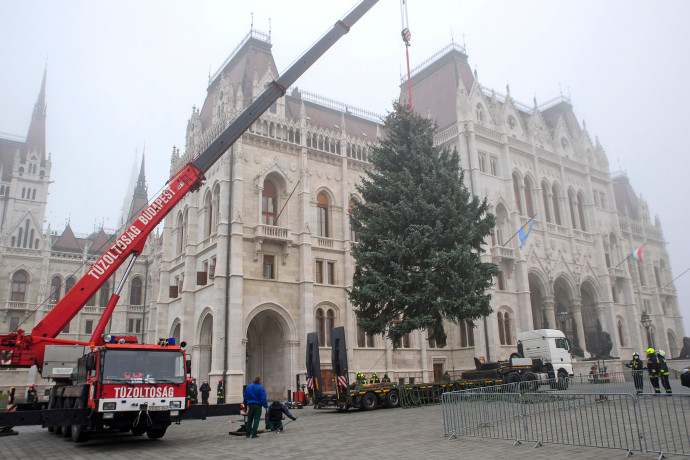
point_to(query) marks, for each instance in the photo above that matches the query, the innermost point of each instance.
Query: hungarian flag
(637, 254)
(525, 230)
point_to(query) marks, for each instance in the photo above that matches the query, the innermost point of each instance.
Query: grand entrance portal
(268, 354)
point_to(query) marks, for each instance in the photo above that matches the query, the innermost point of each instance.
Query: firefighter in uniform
(663, 370)
(385, 378)
(374, 378)
(361, 378)
(32, 394)
(637, 369)
(653, 369)
(220, 394)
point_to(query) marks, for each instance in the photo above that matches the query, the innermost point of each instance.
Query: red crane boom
(22, 350)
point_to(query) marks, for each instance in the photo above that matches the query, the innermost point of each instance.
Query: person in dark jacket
(637, 367)
(205, 389)
(274, 416)
(254, 399)
(220, 393)
(663, 371)
(653, 369)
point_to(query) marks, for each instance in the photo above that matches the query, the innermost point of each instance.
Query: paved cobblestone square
(385, 433)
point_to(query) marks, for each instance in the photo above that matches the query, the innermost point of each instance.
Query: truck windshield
(562, 343)
(143, 366)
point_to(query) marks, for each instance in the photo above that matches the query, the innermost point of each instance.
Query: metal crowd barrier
(601, 418)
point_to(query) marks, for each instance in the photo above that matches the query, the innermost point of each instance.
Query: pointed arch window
(480, 113)
(322, 215)
(466, 334)
(180, 233)
(581, 210)
(55, 285)
(324, 325)
(104, 295)
(69, 284)
(364, 339)
(209, 214)
(516, 192)
(136, 291)
(269, 203)
(19, 287)
(529, 206)
(505, 328)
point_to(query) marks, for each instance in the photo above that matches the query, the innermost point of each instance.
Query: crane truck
(345, 396)
(113, 383)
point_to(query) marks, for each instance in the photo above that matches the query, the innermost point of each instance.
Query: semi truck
(543, 355)
(113, 382)
(344, 396)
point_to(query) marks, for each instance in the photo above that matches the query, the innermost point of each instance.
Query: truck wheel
(51, 405)
(392, 399)
(530, 382)
(156, 433)
(513, 380)
(67, 429)
(79, 433)
(368, 402)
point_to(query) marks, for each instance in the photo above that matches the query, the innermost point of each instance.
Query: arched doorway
(590, 320)
(673, 349)
(205, 345)
(564, 314)
(268, 355)
(175, 331)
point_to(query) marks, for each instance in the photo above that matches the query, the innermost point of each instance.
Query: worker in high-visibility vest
(374, 378)
(220, 394)
(637, 367)
(663, 370)
(653, 369)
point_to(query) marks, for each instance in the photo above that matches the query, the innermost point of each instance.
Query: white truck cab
(548, 345)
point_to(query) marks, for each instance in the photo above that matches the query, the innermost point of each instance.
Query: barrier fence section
(563, 414)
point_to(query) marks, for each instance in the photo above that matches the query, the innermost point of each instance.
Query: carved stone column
(549, 312)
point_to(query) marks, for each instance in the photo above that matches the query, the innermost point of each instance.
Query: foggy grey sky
(127, 73)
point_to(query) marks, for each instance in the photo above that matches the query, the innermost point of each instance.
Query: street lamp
(647, 322)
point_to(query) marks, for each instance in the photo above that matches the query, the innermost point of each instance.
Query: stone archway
(565, 316)
(204, 348)
(590, 320)
(268, 353)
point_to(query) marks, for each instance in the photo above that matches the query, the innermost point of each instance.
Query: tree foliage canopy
(419, 235)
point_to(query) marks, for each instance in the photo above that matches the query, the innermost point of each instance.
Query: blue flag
(524, 234)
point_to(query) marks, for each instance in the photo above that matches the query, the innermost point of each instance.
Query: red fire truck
(116, 384)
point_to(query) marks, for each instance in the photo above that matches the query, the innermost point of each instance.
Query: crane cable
(406, 36)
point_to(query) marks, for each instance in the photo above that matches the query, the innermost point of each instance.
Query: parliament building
(260, 256)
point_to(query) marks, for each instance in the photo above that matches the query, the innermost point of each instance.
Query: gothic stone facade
(260, 256)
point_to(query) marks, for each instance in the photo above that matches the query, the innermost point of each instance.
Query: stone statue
(685, 352)
(605, 344)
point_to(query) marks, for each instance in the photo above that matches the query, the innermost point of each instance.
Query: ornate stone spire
(36, 137)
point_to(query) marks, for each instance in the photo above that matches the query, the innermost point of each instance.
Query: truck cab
(548, 345)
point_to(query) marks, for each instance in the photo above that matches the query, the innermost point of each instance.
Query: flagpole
(677, 277)
(628, 256)
(521, 227)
